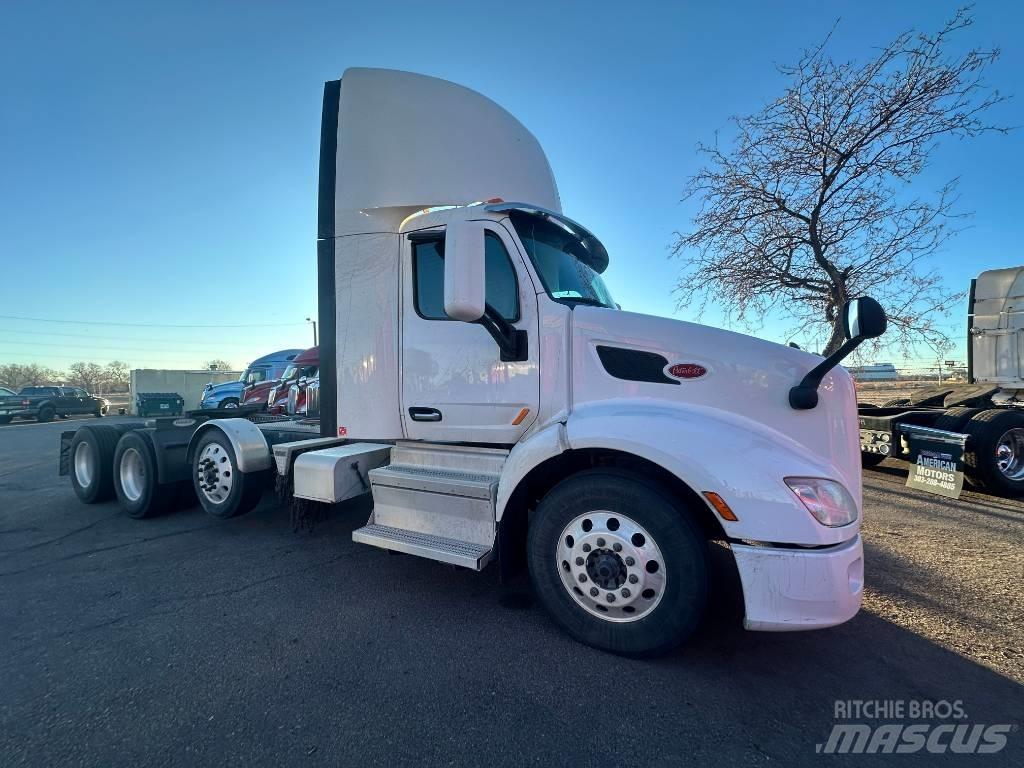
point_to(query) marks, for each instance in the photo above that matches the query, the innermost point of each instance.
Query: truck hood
(629, 356)
(225, 388)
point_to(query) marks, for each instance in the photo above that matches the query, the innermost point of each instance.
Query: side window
(428, 287)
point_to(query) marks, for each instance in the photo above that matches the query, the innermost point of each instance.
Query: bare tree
(117, 374)
(812, 204)
(217, 365)
(16, 376)
(89, 376)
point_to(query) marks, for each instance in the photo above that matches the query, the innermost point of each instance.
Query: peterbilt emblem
(687, 370)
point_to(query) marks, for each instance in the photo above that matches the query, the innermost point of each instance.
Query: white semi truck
(976, 427)
(479, 381)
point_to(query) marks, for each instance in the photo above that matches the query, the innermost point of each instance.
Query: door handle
(424, 414)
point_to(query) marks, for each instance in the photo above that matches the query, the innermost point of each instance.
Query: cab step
(436, 501)
(452, 551)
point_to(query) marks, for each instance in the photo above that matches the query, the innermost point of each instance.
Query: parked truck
(43, 403)
(480, 383)
(230, 393)
(976, 427)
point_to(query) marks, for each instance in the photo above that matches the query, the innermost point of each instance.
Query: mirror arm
(804, 395)
(510, 340)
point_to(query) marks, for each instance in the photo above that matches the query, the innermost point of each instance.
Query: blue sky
(158, 162)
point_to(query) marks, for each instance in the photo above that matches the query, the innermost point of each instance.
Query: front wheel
(618, 563)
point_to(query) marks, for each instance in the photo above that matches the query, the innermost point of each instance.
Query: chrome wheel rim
(1010, 454)
(215, 473)
(133, 474)
(85, 464)
(611, 566)
(231, 405)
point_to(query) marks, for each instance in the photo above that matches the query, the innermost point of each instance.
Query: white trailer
(487, 391)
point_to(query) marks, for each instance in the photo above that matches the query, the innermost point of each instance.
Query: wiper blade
(584, 300)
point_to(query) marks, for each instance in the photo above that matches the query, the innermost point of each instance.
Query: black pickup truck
(43, 403)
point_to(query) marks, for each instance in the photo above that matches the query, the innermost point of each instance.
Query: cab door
(455, 387)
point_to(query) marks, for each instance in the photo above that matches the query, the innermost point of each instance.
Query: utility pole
(311, 320)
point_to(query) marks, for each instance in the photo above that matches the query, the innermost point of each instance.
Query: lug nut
(626, 593)
(583, 577)
(600, 542)
(594, 591)
(630, 561)
(633, 578)
(617, 547)
(586, 547)
(611, 598)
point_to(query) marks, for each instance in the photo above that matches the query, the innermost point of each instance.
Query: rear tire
(135, 477)
(994, 456)
(617, 563)
(92, 463)
(222, 489)
(955, 419)
(46, 413)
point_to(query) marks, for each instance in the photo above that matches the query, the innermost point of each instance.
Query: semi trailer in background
(974, 428)
(479, 382)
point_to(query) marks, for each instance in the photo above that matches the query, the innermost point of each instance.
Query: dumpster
(159, 404)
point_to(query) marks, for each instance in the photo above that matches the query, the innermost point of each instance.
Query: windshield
(562, 260)
(289, 372)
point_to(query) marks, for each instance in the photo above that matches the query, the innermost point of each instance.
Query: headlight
(829, 502)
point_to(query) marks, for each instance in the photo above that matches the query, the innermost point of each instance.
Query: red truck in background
(304, 367)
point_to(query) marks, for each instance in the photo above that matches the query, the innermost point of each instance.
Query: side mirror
(464, 280)
(863, 318)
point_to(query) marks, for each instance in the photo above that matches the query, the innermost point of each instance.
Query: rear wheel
(92, 462)
(955, 419)
(46, 413)
(135, 477)
(994, 456)
(222, 489)
(617, 563)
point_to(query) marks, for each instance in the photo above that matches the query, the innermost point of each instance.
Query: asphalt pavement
(185, 640)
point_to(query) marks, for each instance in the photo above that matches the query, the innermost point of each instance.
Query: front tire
(222, 489)
(618, 563)
(135, 477)
(46, 413)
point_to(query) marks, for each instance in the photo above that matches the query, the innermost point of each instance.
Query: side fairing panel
(366, 268)
(408, 141)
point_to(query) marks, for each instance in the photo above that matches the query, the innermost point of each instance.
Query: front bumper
(789, 589)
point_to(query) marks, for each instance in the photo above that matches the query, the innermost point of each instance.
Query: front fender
(709, 450)
(248, 443)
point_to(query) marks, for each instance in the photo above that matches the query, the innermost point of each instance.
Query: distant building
(873, 372)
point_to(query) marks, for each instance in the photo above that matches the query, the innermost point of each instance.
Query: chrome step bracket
(452, 551)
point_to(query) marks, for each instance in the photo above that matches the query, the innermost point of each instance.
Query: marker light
(829, 502)
(720, 506)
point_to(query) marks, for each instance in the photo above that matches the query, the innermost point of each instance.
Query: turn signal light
(720, 506)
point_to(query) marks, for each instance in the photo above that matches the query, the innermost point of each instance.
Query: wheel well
(546, 475)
